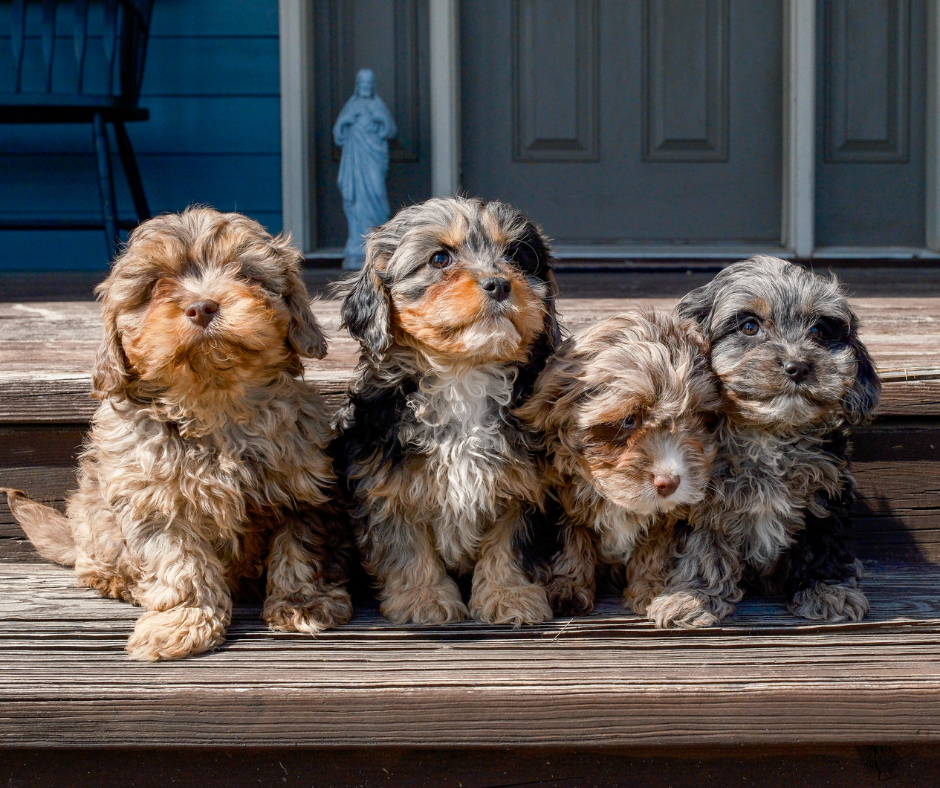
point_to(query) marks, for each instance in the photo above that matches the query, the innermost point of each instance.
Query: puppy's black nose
(202, 312)
(497, 288)
(797, 371)
(666, 483)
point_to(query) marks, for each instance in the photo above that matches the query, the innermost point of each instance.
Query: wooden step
(47, 351)
(603, 680)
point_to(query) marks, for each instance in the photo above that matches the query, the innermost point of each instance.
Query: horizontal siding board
(211, 67)
(210, 124)
(197, 66)
(214, 17)
(67, 186)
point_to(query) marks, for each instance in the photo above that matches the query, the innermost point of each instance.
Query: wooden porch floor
(601, 681)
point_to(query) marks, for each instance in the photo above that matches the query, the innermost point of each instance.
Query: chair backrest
(86, 47)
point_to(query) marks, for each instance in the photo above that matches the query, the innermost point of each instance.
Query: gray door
(391, 38)
(627, 121)
(871, 123)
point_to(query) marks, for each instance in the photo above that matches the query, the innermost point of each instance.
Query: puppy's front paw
(570, 598)
(833, 603)
(109, 586)
(686, 610)
(174, 634)
(516, 605)
(436, 604)
(311, 614)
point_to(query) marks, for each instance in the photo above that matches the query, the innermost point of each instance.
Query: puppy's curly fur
(206, 462)
(626, 409)
(455, 313)
(794, 377)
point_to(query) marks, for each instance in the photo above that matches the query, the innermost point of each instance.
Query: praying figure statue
(363, 130)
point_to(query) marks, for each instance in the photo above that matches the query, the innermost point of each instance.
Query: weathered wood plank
(47, 351)
(603, 680)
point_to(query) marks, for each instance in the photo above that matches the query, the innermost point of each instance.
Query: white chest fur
(459, 430)
(618, 531)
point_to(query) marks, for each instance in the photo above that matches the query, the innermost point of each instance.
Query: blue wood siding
(212, 87)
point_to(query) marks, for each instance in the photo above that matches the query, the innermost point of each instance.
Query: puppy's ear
(304, 333)
(110, 376)
(860, 402)
(530, 253)
(365, 311)
(698, 305)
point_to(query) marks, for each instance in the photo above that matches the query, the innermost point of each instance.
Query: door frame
(799, 138)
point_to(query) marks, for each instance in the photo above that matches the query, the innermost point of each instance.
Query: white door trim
(295, 32)
(444, 27)
(799, 127)
(932, 215)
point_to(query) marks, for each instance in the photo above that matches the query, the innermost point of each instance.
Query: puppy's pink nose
(666, 483)
(202, 312)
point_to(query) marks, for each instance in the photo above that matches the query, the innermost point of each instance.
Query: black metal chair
(87, 89)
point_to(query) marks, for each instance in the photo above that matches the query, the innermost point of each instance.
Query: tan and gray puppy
(205, 464)
(627, 409)
(794, 377)
(455, 313)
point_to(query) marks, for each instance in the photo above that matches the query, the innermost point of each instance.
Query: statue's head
(365, 83)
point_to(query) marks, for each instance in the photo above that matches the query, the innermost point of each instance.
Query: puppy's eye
(829, 331)
(614, 432)
(630, 423)
(750, 327)
(440, 260)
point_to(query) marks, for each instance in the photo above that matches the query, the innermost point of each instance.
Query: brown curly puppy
(205, 463)
(626, 408)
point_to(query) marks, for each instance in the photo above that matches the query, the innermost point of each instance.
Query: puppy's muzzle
(797, 371)
(202, 312)
(497, 288)
(666, 484)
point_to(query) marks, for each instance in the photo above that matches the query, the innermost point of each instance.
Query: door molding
(799, 133)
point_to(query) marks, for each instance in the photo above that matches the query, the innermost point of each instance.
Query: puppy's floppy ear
(365, 310)
(110, 376)
(860, 402)
(531, 254)
(698, 305)
(303, 333)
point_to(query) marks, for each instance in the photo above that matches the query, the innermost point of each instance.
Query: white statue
(363, 130)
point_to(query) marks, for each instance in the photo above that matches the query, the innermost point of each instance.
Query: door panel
(391, 38)
(870, 176)
(687, 112)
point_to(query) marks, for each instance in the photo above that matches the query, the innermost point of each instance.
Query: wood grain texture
(47, 350)
(608, 679)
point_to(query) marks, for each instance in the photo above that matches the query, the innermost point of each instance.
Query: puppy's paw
(108, 586)
(515, 605)
(834, 603)
(437, 604)
(174, 634)
(685, 610)
(570, 598)
(311, 614)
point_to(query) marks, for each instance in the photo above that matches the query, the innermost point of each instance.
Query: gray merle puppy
(794, 376)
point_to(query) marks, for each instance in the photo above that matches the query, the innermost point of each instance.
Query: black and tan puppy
(206, 462)
(626, 408)
(455, 313)
(794, 377)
